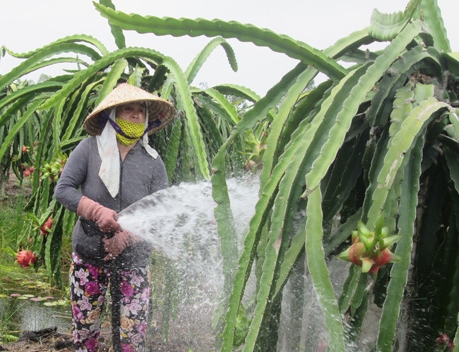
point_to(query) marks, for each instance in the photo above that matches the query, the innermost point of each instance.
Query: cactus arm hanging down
(319, 272)
(399, 272)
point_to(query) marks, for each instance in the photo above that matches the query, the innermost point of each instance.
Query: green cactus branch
(232, 29)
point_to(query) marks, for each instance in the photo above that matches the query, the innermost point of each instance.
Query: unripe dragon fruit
(46, 228)
(370, 250)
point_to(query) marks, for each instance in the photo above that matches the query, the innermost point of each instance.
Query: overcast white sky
(29, 24)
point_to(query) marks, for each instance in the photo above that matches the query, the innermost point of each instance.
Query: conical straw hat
(158, 108)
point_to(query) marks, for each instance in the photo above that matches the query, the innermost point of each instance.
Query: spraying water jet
(179, 221)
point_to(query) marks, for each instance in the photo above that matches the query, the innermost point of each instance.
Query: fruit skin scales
(371, 250)
(25, 258)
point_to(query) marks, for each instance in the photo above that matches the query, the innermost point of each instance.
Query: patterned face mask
(133, 131)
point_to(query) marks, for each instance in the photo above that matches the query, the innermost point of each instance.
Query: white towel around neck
(107, 146)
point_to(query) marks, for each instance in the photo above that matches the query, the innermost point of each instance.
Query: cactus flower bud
(370, 250)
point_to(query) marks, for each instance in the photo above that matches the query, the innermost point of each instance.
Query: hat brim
(159, 109)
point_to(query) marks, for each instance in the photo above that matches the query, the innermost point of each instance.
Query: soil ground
(48, 340)
(188, 333)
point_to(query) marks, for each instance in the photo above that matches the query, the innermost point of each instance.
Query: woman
(105, 173)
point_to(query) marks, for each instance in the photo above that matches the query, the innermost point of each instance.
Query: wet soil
(188, 332)
(49, 340)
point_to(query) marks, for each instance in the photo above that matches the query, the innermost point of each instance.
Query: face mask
(131, 129)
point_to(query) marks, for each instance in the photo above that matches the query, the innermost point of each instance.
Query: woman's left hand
(116, 244)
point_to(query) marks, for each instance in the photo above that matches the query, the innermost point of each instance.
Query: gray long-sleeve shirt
(140, 175)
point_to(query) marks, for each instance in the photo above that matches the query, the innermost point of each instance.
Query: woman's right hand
(107, 220)
(104, 217)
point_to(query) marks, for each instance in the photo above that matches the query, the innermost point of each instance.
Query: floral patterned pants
(130, 292)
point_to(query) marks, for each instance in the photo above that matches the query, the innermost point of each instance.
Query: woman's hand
(116, 244)
(104, 217)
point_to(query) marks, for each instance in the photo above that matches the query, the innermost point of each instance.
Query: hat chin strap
(152, 124)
